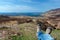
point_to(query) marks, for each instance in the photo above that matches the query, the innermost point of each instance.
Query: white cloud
(16, 8)
(55, 0)
(10, 6)
(27, 0)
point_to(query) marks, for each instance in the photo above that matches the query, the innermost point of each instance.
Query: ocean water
(22, 14)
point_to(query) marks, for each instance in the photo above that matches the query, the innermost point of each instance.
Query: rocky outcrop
(53, 17)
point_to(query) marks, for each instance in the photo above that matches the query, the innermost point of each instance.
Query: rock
(58, 26)
(53, 17)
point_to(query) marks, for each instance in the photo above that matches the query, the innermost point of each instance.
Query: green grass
(56, 34)
(29, 32)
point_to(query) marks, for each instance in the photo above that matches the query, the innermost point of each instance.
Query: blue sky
(28, 5)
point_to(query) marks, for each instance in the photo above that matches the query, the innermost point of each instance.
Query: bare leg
(48, 30)
(38, 28)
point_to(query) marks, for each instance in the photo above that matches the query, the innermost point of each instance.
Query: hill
(23, 27)
(53, 17)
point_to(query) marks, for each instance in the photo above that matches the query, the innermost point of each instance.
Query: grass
(29, 32)
(56, 34)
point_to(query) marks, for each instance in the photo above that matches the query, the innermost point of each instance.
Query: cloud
(55, 0)
(17, 8)
(7, 0)
(27, 5)
(29, 1)
(26, 0)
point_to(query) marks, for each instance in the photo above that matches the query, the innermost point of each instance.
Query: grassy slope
(56, 34)
(29, 32)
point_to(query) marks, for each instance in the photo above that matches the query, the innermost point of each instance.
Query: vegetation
(30, 33)
(56, 34)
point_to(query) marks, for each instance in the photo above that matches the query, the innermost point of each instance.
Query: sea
(36, 14)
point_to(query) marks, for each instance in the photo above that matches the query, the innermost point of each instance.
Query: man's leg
(48, 30)
(39, 32)
(38, 28)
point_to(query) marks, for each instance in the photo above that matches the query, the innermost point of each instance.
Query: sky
(28, 5)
